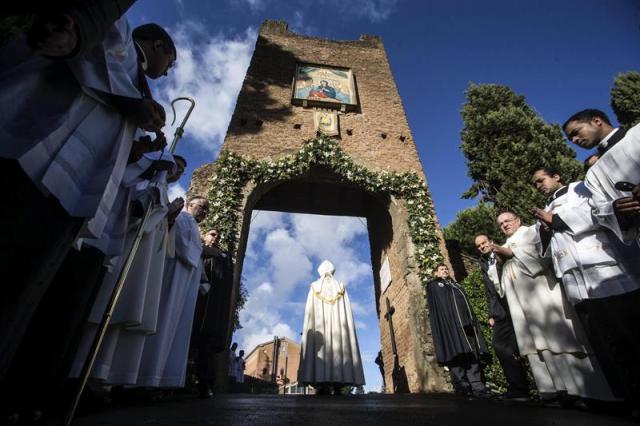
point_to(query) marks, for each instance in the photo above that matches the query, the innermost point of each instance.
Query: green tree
(625, 98)
(504, 141)
(471, 222)
(494, 376)
(241, 299)
(474, 288)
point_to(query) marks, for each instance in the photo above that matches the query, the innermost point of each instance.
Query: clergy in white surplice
(136, 315)
(547, 329)
(164, 359)
(330, 355)
(67, 128)
(48, 114)
(617, 171)
(598, 272)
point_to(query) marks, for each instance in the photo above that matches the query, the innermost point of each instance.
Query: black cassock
(210, 332)
(455, 330)
(213, 309)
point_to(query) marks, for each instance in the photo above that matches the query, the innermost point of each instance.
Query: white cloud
(368, 356)
(256, 5)
(263, 221)
(312, 233)
(251, 340)
(285, 251)
(176, 190)
(358, 309)
(361, 325)
(210, 69)
(290, 265)
(374, 10)
(264, 288)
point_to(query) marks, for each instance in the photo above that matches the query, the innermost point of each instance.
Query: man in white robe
(80, 275)
(240, 367)
(231, 365)
(598, 272)
(547, 330)
(330, 355)
(64, 148)
(164, 359)
(136, 314)
(615, 207)
(66, 135)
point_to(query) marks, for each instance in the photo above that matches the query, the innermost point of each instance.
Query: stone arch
(322, 179)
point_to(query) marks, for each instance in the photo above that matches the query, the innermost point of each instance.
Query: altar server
(614, 180)
(601, 276)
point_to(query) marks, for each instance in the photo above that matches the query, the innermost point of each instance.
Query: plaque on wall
(385, 275)
(325, 87)
(326, 123)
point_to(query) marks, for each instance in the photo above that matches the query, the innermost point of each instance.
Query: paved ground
(365, 410)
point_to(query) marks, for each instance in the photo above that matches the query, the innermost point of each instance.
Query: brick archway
(273, 159)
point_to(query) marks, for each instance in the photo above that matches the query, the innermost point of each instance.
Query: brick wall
(265, 125)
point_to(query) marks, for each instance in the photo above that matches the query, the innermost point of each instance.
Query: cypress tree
(504, 141)
(625, 98)
(470, 222)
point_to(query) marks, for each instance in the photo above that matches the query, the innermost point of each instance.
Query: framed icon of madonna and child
(317, 85)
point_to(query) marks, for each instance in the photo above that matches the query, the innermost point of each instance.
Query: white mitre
(325, 268)
(327, 288)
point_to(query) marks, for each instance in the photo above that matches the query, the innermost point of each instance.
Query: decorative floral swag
(232, 172)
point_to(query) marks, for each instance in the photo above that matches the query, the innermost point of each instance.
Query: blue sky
(561, 54)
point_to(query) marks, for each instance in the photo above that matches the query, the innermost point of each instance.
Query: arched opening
(287, 222)
(403, 237)
(320, 191)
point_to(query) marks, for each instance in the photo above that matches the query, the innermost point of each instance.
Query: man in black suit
(504, 338)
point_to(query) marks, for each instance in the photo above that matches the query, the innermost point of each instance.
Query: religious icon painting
(326, 123)
(327, 87)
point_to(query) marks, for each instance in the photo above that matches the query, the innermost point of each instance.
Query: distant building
(260, 364)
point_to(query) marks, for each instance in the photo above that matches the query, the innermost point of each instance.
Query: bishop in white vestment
(599, 273)
(330, 353)
(547, 329)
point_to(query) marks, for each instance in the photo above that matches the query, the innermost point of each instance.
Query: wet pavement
(361, 410)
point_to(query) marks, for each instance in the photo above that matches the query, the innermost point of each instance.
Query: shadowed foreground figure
(330, 355)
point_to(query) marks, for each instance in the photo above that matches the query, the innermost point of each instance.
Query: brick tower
(296, 89)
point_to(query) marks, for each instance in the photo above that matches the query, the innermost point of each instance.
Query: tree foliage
(474, 288)
(241, 299)
(471, 222)
(625, 98)
(504, 141)
(494, 376)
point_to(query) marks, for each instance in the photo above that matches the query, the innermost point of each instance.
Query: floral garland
(232, 172)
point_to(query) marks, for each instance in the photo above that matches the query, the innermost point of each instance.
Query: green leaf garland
(233, 172)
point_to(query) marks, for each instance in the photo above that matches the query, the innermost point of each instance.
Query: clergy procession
(93, 225)
(563, 292)
(116, 287)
